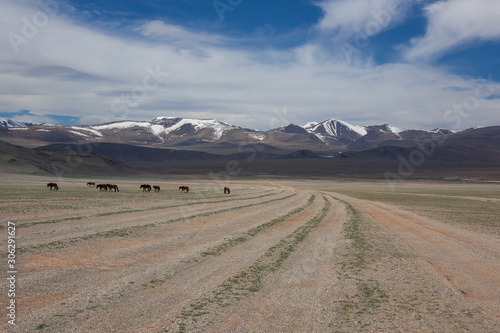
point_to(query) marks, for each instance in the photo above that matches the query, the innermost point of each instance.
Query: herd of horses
(147, 188)
(114, 187)
(104, 187)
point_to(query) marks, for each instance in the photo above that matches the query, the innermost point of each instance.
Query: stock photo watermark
(150, 81)
(380, 20)
(73, 159)
(30, 27)
(455, 116)
(11, 273)
(120, 107)
(223, 6)
(248, 151)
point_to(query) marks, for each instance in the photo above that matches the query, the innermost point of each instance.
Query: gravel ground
(270, 257)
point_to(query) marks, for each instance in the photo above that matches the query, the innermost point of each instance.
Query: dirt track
(267, 258)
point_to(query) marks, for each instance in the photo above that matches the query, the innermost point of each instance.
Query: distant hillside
(130, 154)
(301, 154)
(17, 159)
(474, 145)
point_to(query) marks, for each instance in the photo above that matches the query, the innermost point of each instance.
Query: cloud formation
(346, 18)
(454, 24)
(69, 68)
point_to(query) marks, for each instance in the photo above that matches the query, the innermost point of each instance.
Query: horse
(227, 190)
(102, 187)
(184, 189)
(53, 186)
(113, 187)
(91, 184)
(145, 187)
(157, 188)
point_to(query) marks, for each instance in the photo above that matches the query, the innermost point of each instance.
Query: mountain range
(169, 145)
(330, 134)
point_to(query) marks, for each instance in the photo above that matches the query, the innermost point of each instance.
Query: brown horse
(145, 187)
(91, 184)
(157, 188)
(184, 189)
(53, 186)
(227, 190)
(113, 187)
(102, 187)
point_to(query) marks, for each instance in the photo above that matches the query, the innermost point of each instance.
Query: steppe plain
(273, 256)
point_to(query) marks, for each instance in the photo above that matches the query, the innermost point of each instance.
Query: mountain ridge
(177, 131)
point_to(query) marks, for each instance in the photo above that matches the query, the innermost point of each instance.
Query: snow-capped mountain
(335, 132)
(175, 131)
(164, 126)
(161, 130)
(8, 122)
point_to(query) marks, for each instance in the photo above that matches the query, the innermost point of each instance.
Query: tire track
(296, 299)
(163, 261)
(470, 262)
(248, 281)
(85, 214)
(129, 230)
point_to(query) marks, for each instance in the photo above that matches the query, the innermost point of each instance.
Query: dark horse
(90, 184)
(53, 186)
(184, 188)
(113, 187)
(227, 190)
(102, 187)
(157, 188)
(145, 187)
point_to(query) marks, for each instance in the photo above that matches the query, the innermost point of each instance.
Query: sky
(259, 64)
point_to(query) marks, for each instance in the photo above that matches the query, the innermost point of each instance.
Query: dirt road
(270, 257)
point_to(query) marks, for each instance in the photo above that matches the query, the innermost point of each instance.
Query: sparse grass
(125, 211)
(42, 326)
(250, 280)
(254, 231)
(361, 254)
(122, 232)
(445, 204)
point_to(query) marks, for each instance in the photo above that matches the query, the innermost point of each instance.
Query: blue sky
(257, 64)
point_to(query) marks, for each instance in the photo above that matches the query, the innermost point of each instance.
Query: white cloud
(346, 18)
(76, 70)
(453, 24)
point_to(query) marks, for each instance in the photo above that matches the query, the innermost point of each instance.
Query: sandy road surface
(267, 258)
(470, 261)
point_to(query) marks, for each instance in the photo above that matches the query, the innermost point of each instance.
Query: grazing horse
(145, 187)
(113, 187)
(102, 187)
(227, 190)
(53, 186)
(184, 189)
(91, 184)
(157, 188)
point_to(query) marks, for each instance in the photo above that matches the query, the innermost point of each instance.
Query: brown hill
(70, 163)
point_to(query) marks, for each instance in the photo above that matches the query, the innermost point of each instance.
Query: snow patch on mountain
(218, 128)
(78, 133)
(8, 122)
(309, 125)
(122, 125)
(394, 129)
(257, 136)
(88, 129)
(333, 127)
(161, 126)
